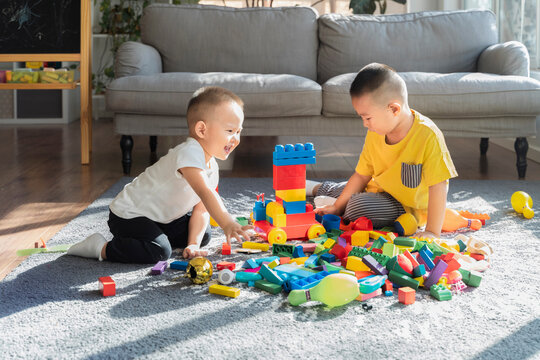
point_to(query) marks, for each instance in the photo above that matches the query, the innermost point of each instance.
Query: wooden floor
(43, 186)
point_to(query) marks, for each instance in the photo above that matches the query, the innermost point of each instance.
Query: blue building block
(309, 281)
(388, 293)
(294, 207)
(293, 152)
(328, 257)
(250, 264)
(266, 259)
(179, 265)
(270, 275)
(298, 161)
(311, 261)
(294, 270)
(298, 252)
(426, 259)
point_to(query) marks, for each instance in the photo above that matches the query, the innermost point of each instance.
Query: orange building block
(406, 295)
(225, 249)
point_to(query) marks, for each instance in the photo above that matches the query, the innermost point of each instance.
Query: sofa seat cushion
(449, 95)
(169, 93)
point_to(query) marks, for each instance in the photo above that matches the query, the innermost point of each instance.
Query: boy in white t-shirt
(170, 203)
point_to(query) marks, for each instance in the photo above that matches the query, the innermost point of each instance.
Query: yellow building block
(420, 280)
(292, 194)
(329, 243)
(255, 245)
(403, 248)
(280, 220)
(360, 238)
(273, 209)
(298, 261)
(224, 290)
(273, 264)
(390, 237)
(355, 264)
(374, 235)
(319, 248)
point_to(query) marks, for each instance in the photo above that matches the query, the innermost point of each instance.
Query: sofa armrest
(509, 58)
(134, 58)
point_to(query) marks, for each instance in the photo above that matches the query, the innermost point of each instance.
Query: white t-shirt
(161, 193)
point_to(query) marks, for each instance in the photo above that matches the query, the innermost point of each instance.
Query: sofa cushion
(449, 95)
(441, 42)
(169, 93)
(203, 38)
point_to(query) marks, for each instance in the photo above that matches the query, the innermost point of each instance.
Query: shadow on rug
(51, 308)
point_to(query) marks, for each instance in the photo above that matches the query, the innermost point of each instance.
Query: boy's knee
(162, 251)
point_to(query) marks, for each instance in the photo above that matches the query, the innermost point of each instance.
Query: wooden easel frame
(85, 60)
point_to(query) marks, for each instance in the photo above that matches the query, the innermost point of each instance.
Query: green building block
(320, 249)
(283, 250)
(242, 220)
(405, 241)
(390, 250)
(319, 240)
(378, 244)
(361, 252)
(330, 267)
(334, 233)
(268, 286)
(403, 280)
(470, 278)
(388, 229)
(440, 292)
(419, 245)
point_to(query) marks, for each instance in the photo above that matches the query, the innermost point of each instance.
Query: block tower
(289, 217)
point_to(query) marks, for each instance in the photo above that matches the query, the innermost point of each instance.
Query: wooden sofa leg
(126, 144)
(521, 146)
(484, 143)
(153, 144)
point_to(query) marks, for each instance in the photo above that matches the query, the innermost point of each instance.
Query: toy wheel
(315, 231)
(278, 236)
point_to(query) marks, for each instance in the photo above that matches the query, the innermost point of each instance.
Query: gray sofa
(293, 70)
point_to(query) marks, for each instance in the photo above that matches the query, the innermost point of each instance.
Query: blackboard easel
(84, 57)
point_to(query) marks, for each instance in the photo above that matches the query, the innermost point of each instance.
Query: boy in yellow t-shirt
(404, 165)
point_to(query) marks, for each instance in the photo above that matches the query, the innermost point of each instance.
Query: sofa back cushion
(440, 42)
(203, 38)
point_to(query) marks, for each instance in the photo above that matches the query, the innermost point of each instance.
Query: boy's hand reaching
(327, 209)
(237, 231)
(192, 251)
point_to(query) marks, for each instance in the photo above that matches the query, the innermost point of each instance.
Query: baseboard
(533, 153)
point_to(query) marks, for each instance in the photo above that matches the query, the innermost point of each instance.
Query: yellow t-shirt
(407, 169)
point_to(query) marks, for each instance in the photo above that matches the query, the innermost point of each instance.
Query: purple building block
(159, 268)
(374, 265)
(435, 274)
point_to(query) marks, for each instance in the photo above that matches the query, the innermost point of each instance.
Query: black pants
(141, 240)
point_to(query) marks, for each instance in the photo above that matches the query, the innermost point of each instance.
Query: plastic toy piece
(341, 252)
(405, 241)
(435, 274)
(308, 282)
(242, 220)
(440, 292)
(364, 297)
(334, 290)
(419, 270)
(255, 245)
(247, 251)
(360, 238)
(268, 286)
(298, 252)
(159, 268)
(272, 264)
(471, 278)
(425, 259)
(311, 261)
(522, 204)
(406, 295)
(328, 257)
(387, 286)
(329, 243)
(226, 277)
(107, 286)
(180, 265)
(223, 265)
(390, 250)
(270, 275)
(224, 290)
(294, 270)
(244, 276)
(331, 222)
(362, 223)
(361, 252)
(39, 250)
(374, 265)
(371, 283)
(283, 249)
(406, 224)
(453, 221)
(468, 215)
(225, 249)
(356, 264)
(402, 280)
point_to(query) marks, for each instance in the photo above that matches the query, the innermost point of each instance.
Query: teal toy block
(179, 265)
(462, 245)
(308, 282)
(294, 270)
(266, 259)
(334, 233)
(268, 286)
(361, 252)
(319, 240)
(311, 261)
(440, 292)
(270, 275)
(283, 250)
(388, 293)
(245, 277)
(379, 243)
(250, 264)
(298, 252)
(371, 283)
(419, 270)
(402, 280)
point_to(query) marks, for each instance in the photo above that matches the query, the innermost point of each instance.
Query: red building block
(107, 286)
(406, 295)
(225, 249)
(387, 286)
(225, 265)
(339, 251)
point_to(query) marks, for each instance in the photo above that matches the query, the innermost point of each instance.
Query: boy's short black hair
(370, 78)
(209, 96)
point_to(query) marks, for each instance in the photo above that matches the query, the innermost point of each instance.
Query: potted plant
(369, 6)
